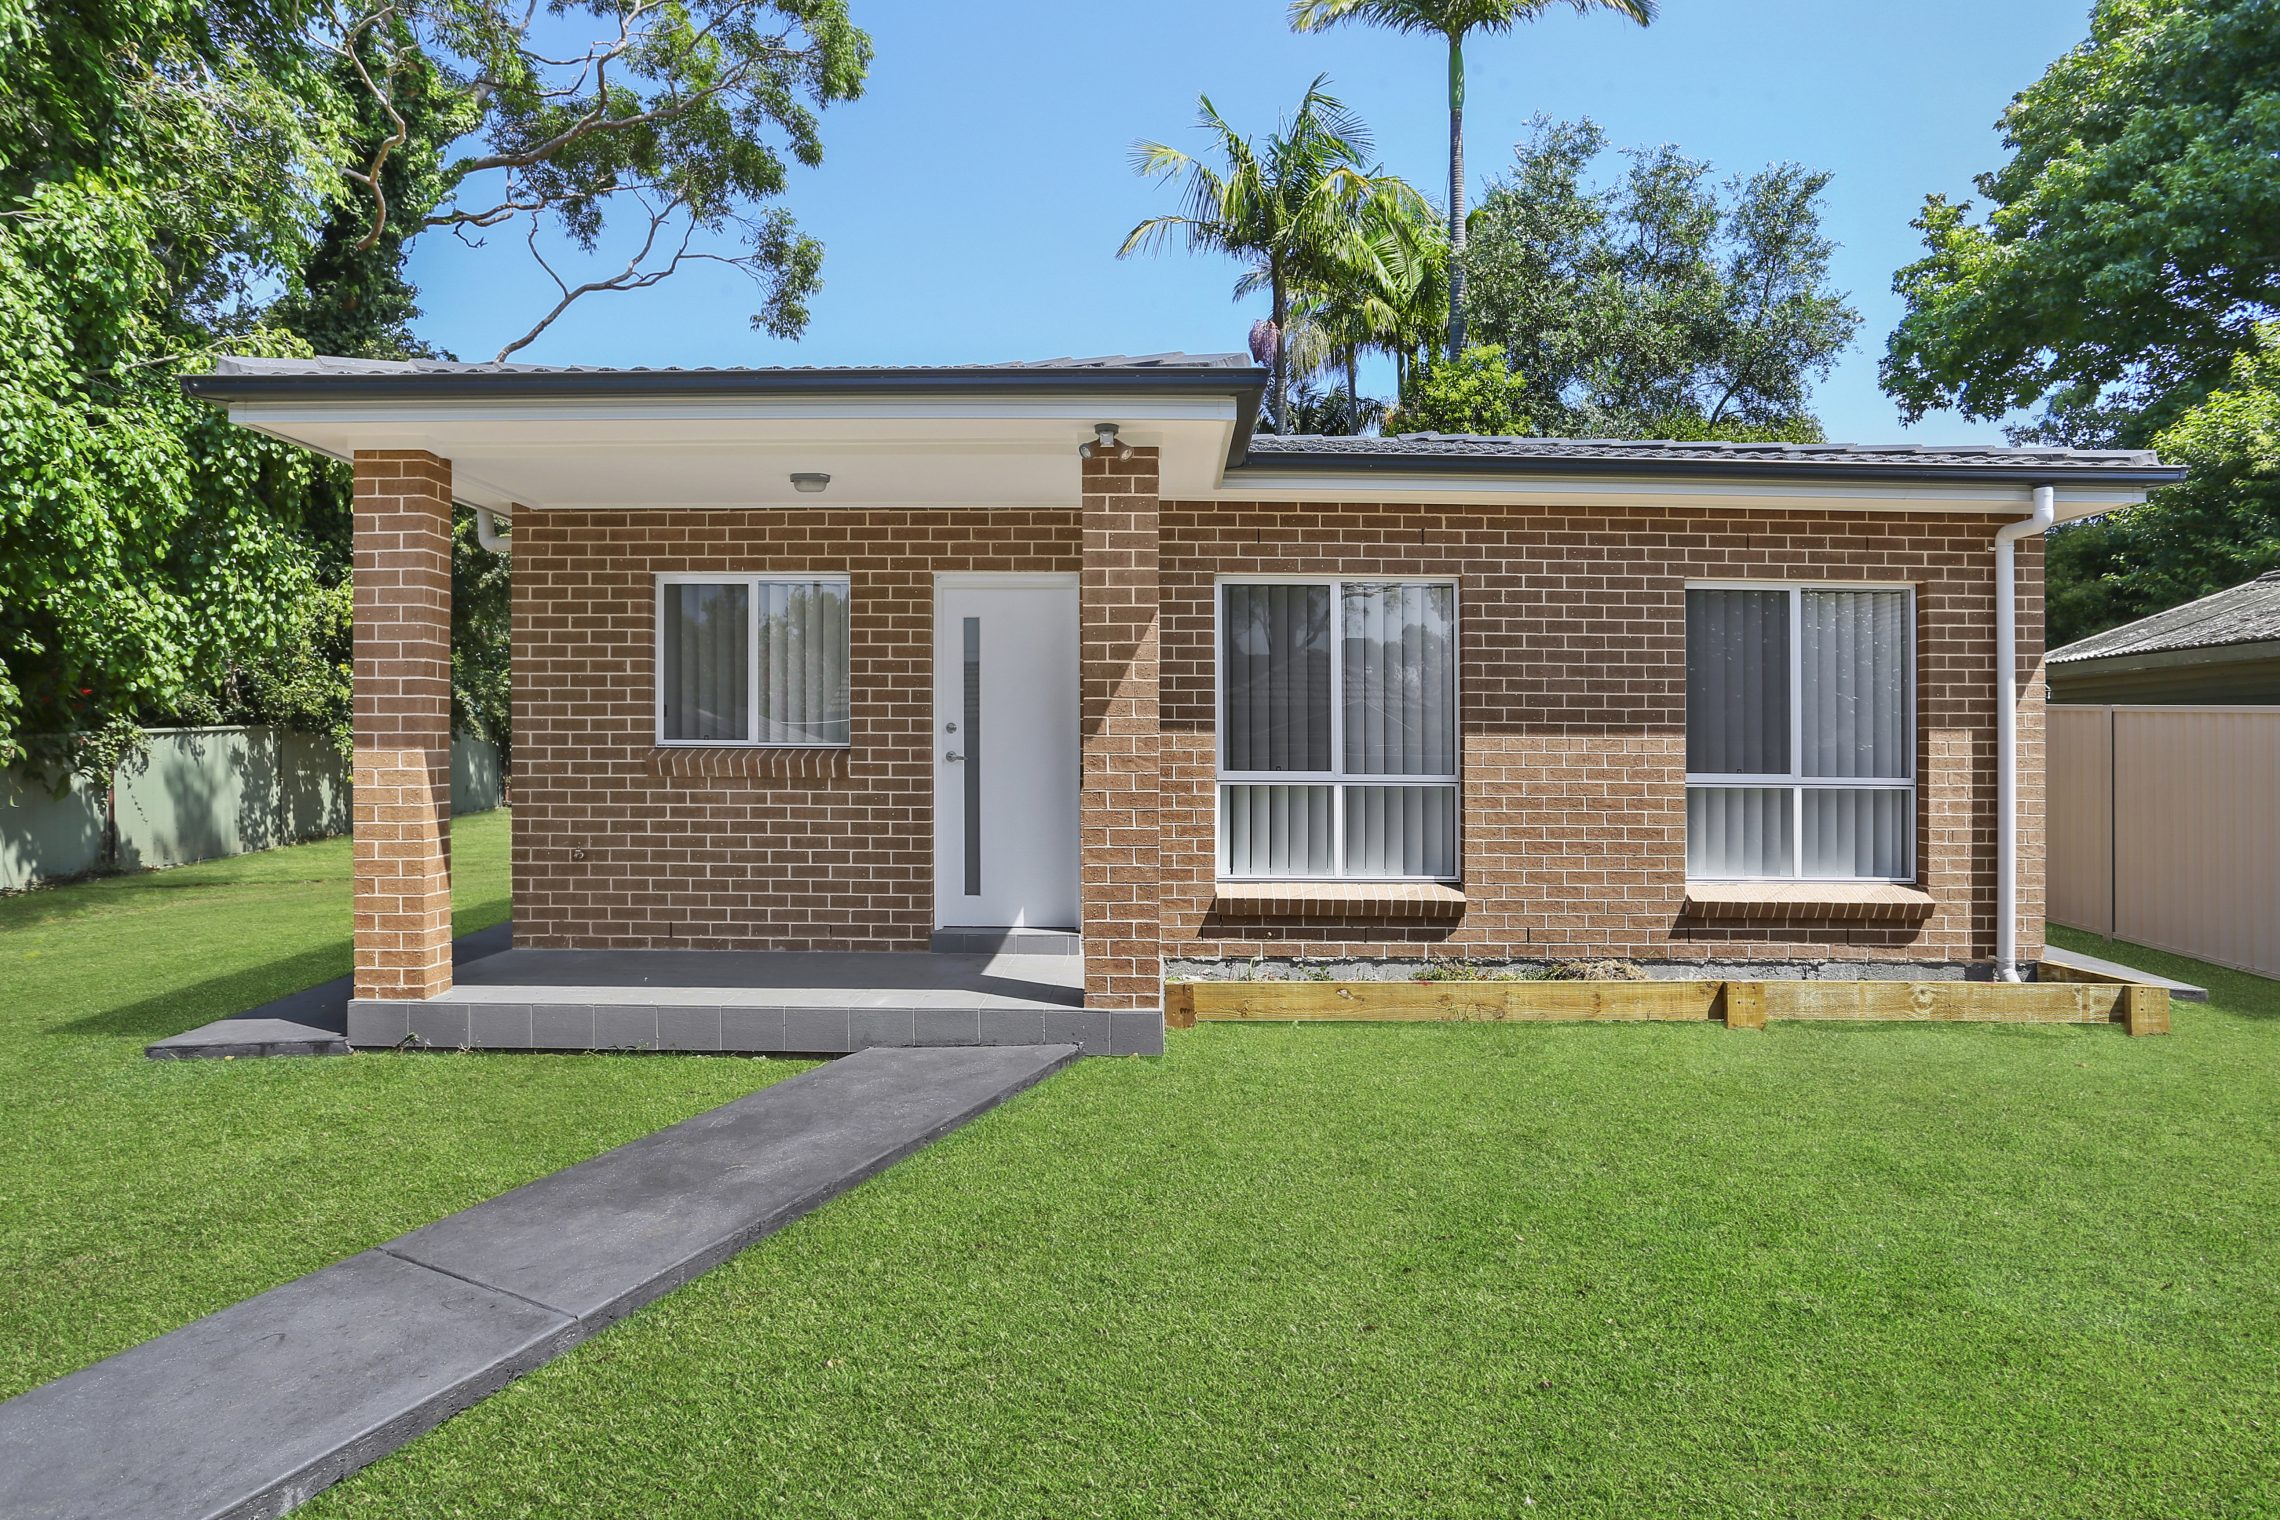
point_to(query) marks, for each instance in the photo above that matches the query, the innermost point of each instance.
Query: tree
(2221, 527)
(1663, 304)
(2119, 290)
(1290, 211)
(1476, 392)
(1384, 293)
(2132, 241)
(158, 172)
(668, 121)
(1454, 20)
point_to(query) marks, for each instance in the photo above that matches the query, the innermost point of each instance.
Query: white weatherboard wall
(201, 794)
(2165, 829)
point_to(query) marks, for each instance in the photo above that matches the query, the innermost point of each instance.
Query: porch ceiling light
(1104, 442)
(810, 482)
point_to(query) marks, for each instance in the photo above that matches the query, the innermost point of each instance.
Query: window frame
(1796, 782)
(1337, 779)
(752, 582)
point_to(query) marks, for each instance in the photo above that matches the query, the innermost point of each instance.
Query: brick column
(403, 724)
(1117, 825)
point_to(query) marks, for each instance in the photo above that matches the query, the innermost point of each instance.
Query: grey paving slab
(2183, 991)
(250, 1411)
(688, 1028)
(774, 978)
(311, 1022)
(248, 1037)
(816, 1031)
(867, 1027)
(561, 1026)
(1137, 1032)
(1087, 1028)
(752, 1029)
(607, 1235)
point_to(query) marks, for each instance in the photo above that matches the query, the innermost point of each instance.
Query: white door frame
(990, 580)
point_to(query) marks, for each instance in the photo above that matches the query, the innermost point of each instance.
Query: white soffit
(961, 451)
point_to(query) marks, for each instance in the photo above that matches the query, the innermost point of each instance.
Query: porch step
(1007, 942)
(253, 1410)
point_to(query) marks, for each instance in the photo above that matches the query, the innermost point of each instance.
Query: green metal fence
(200, 794)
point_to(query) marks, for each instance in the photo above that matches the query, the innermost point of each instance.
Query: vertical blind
(1351, 686)
(753, 661)
(1803, 801)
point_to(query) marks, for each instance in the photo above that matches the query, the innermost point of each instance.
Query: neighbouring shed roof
(2245, 614)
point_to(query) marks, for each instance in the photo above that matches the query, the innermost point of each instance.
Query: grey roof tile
(2245, 614)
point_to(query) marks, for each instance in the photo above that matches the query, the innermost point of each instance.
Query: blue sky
(973, 200)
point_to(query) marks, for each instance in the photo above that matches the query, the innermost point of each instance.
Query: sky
(972, 201)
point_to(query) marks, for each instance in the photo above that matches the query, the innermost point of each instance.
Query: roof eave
(668, 384)
(2141, 477)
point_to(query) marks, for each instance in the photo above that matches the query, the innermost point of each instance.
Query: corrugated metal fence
(200, 794)
(2165, 828)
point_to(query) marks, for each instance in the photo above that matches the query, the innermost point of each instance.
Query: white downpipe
(2007, 728)
(487, 533)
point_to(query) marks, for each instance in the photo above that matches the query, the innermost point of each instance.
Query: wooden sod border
(2079, 998)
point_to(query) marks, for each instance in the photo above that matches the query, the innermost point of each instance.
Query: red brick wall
(618, 844)
(1573, 720)
(402, 717)
(1573, 701)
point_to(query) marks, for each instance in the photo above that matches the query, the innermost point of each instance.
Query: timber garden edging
(2081, 998)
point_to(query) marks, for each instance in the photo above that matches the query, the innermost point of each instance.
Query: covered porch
(696, 867)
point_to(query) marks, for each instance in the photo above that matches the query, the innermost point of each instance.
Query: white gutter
(2007, 728)
(487, 533)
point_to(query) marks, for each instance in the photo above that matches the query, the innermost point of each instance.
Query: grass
(1483, 1270)
(1288, 1271)
(137, 1195)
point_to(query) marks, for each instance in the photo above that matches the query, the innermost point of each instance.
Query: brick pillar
(1117, 825)
(403, 724)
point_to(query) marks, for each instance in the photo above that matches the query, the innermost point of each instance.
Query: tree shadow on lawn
(306, 978)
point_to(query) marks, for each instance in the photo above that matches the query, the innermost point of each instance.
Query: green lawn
(1391, 1270)
(136, 1195)
(1479, 1270)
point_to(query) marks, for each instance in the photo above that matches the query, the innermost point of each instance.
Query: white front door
(1006, 766)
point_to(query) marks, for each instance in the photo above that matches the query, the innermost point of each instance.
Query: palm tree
(1383, 294)
(1455, 20)
(1289, 210)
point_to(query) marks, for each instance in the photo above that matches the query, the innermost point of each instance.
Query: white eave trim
(1963, 495)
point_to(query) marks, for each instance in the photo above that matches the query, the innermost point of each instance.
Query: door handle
(953, 757)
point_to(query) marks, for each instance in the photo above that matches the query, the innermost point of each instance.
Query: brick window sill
(757, 762)
(1792, 901)
(1317, 899)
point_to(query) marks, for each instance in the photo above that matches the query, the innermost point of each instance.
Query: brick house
(854, 674)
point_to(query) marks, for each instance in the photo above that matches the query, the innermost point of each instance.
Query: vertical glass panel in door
(705, 674)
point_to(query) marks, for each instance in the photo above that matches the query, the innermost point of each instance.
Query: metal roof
(1471, 452)
(2246, 614)
(1231, 375)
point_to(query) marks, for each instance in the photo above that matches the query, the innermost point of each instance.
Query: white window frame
(1336, 779)
(752, 583)
(1796, 781)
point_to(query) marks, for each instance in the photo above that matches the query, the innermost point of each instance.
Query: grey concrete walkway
(311, 1022)
(2183, 991)
(250, 1411)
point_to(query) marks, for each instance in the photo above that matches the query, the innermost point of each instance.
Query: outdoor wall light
(1105, 442)
(810, 482)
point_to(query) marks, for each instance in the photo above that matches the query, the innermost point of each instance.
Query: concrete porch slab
(250, 1411)
(2184, 992)
(757, 1002)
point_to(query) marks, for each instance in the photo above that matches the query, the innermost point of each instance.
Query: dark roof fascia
(2242, 652)
(1540, 467)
